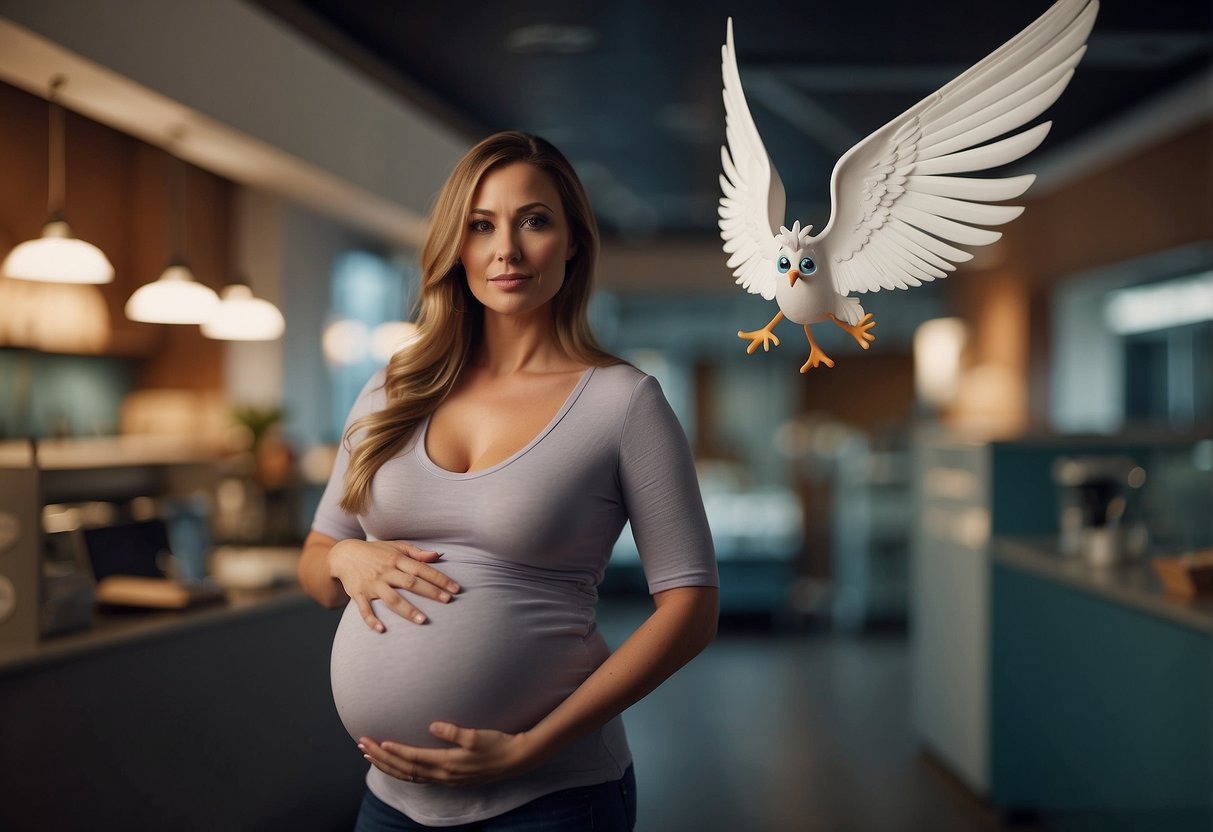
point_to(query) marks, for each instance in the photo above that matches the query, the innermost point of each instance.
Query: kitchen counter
(108, 452)
(1100, 687)
(219, 717)
(1050, 686)
(1134, 584)
(114, 630)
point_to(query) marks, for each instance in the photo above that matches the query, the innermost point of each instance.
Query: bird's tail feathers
(848, 309)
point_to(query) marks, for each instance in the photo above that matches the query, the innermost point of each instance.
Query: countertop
(108, 452)
(117, 629)
(1131, 584)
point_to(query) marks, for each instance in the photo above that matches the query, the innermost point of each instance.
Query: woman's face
(517, 240)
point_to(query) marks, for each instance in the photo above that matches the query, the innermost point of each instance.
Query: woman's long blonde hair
(450, 319)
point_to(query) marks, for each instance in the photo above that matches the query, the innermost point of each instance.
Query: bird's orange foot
(817, 357)
(859, 331)
(762, 336)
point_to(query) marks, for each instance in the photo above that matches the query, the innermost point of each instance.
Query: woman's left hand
(478, 756)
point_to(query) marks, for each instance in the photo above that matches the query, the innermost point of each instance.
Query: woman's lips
(509, 281)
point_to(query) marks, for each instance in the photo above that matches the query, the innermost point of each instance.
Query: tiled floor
(787, 732)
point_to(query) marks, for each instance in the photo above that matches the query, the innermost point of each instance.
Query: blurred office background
(938, 605)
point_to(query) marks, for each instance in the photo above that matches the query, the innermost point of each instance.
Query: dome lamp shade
(242, 317)
(57, 256)
(175, 298)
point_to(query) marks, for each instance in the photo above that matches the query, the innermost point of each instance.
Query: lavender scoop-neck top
(528, 540)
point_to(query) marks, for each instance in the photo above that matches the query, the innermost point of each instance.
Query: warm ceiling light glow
(57, 256)
(389, 338)
(53, 317)
(938, 346)
(242, 317)
(74, 319)
(345, 341)
(176, 298)
(1187, 300)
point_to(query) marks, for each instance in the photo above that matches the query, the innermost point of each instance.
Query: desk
(211, 719)
(1101, 690)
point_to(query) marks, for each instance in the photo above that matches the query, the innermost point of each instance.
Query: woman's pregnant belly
(506, 651)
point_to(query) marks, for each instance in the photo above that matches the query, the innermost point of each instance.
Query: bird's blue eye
(783, 265)
(807, 266)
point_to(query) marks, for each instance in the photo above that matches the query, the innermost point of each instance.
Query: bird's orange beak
(793, 276)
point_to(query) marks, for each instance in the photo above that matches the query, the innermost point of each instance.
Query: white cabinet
(950, 606)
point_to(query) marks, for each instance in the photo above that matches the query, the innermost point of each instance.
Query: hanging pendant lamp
(243, 317)
(176, 297)
(57, 256)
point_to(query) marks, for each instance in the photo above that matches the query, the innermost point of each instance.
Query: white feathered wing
(751, 210)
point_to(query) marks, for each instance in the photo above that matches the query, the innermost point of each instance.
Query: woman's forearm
(683, 624)
(314, 575)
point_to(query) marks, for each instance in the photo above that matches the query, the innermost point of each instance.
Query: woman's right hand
(377, 568)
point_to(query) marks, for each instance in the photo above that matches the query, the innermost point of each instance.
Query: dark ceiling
(630, 90)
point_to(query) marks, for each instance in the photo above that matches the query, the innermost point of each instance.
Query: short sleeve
(661, 494)
(331, 519)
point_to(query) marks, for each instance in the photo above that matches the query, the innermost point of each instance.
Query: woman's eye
(535, 221)
(807, 266)
(480, 226)
(783, 265)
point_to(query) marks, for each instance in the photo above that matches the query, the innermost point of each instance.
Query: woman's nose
(508, 251)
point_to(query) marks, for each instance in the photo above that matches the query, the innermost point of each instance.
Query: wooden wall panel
(117, 198)
(1157, 199)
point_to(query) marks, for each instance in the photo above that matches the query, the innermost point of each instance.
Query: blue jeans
(606, 807)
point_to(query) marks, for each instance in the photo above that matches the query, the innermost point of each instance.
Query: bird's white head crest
(796, 237)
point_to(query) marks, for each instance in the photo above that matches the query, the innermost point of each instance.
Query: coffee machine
(1099, 515)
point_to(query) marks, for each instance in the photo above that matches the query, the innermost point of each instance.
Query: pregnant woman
(485, 475)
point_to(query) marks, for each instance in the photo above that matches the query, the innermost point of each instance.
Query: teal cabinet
(1097, 702)
(1044, 684)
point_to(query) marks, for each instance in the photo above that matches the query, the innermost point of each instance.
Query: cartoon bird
(898, 217)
